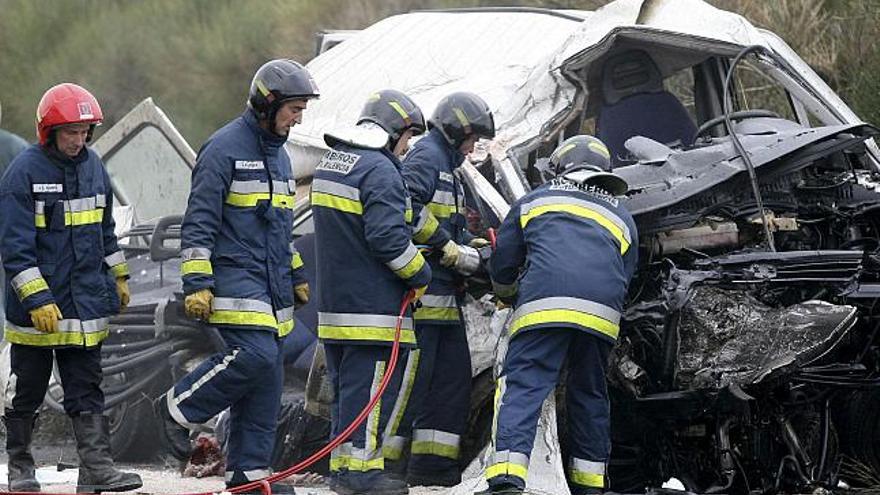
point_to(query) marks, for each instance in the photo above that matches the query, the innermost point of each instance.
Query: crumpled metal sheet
(729, 337)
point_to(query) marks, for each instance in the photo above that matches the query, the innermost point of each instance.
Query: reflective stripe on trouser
(393, 444)
(71, 332)
(441, 399)
(247, 376)
(355, 372)
(31, 367)
(531, 371)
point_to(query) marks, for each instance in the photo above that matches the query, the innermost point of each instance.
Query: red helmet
(63, 104)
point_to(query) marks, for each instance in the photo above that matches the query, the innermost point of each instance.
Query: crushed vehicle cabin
(748, 357)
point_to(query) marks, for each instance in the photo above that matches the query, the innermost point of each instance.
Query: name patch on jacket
(338, 161)
(48, 188)
(446, 177)
(249, 165)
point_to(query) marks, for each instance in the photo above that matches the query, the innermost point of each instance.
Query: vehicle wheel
(859, 430)
(479, 427)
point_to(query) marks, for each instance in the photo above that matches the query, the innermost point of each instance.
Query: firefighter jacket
(565, 254)
(58, 246)
(237, 234)
(439, 216)
(363, 243)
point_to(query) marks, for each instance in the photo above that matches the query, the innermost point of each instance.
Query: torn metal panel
(729, 337)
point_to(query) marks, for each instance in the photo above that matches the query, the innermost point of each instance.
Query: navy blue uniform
(441, 399)
(236, 240)
(565, 255)
(58, 246)
(366, 262)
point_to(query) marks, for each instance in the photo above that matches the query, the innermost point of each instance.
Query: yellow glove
(418, 292)
(198, 304)
(450, 254)
(302, 292)
(123, 292)
(478, 242)
(46, 318)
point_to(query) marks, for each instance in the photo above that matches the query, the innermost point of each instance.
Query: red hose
(263, 484)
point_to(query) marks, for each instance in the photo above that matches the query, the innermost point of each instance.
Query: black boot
(96, 470)
(18, 448)
(372, 482)
(447, 477)
(280, 488)
(501, 489)
(175, 435)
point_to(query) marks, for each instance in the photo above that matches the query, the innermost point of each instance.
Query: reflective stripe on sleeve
(28, 282)
(408, 263)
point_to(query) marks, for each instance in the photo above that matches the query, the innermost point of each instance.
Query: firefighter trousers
(247, 377)
(31, 367)
(441, 398)
(355, 372)
(531, 371)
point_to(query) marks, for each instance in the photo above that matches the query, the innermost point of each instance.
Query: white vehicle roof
(531, 65)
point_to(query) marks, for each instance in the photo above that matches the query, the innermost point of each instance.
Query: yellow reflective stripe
(435, 448)
(429, 313)
(408, 215)
(599, 148)
(40, 220)
(120, 270)
(565, 316)
(441, 210)
(412, 267)
(399, 109)
(371, 441)
(428, 230)
(346, 461)
(579, 211)
(337, 203)
(246, 199)
(392, 453)
(296, 261)
(89, 339)
(190, 267)
(282, 201)
(73, 218)
(30, 288)
(253, 318)
(587, 479)
(400, 405)
(384, 334)
(510, 468)
(286, 327)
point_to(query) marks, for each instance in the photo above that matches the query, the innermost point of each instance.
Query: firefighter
(241, 272)
(65, 277)
(441, 400)
(366, 263)
(10, 146)
(564, 258)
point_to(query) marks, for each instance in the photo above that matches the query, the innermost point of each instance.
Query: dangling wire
(768, 234)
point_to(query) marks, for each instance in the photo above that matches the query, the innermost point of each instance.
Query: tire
(134, 429)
